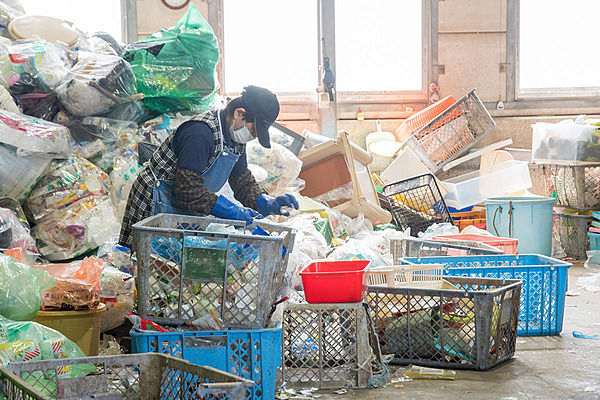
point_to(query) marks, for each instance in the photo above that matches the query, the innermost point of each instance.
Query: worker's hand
(267, 205)
(226, 209)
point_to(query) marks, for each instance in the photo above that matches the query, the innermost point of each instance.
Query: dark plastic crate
(328, 346)
(574, 186)
(124, 377)
(573, 233)
(472, 327)
(417, 203)
(545, 282)
(185, 271)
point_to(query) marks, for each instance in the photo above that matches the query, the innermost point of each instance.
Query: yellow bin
(82, 327)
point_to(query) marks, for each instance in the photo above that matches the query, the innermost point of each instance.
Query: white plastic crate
(427, 276)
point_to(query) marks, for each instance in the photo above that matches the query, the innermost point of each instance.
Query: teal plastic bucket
(528, 219)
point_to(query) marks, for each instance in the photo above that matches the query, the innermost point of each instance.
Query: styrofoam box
(565, 143)
(498, 180)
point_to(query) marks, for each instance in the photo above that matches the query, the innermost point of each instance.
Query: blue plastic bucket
(528, 219)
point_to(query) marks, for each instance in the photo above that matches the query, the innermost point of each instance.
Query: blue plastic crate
(252, 354)
(545, 281)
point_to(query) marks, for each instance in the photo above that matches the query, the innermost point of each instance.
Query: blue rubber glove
(226, 209)
(267, 205)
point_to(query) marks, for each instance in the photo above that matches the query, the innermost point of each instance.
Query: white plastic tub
(496, 181)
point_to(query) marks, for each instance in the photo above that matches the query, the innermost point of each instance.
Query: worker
(192, 165)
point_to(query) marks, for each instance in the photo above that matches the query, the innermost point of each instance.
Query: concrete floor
(544, 367)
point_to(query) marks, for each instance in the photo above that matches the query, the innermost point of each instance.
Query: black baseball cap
(261, 105)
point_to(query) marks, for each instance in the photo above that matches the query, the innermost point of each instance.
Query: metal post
(327, 116)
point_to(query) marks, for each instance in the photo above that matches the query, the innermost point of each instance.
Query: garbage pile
(77, 124)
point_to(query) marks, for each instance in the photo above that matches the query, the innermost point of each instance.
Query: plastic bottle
(360, 116)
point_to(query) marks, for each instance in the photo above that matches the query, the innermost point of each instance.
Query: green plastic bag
(20, 289)
(175, 68)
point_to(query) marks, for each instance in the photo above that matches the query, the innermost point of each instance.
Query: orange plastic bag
(78, 285)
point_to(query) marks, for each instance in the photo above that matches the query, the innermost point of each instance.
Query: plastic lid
(48, 28)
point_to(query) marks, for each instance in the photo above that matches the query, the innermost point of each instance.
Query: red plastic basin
(335, 281)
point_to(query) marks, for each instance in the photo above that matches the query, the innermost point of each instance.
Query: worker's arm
(244, 186)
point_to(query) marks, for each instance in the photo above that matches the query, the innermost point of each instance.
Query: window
(379, 50)
(87, 15)
(270, 43)
(557, 54)
(378, 45)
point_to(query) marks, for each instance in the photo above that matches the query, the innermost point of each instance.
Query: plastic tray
(574, 186)
(252, 354)
(507, 245)
(451, 133)
(545, 282)
(131, 376)
(498, 180)
(417, 203)
(183, 271)
(335, 281)
(471, 327)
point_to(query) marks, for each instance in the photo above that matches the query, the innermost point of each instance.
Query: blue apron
(215, 176)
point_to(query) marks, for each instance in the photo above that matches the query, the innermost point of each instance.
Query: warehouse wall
(472, 49)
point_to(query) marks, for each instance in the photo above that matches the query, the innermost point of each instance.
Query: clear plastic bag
(281, 164)
(95, 84)
(102, 140)
(33, 136)
(117, 294)
(18, 175)
(80, 227)
(65, 183)
(46, 62)
(72, 210)
(16, 235)
(125, 170)
(358, 249)
(20, 289)
(175, 67)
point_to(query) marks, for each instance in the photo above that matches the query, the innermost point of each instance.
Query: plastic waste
(117, 293)
(20, 289)
(14, 234)
(33, 136)
(444, 228)
(97, 83)
(281, 165)
(19, 174)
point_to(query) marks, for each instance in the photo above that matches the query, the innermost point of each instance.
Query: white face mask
(241, 135)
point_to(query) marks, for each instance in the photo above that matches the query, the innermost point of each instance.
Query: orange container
(418, 120)
(508, 245)
(468, 218)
